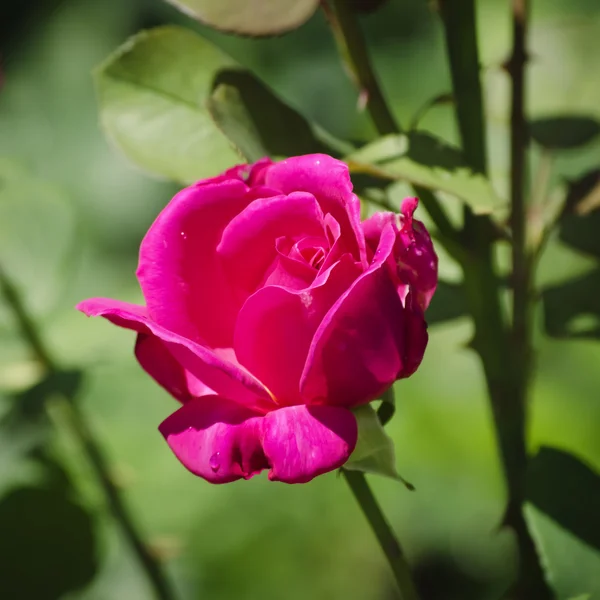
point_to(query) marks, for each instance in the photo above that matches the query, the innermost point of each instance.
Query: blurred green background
(74, 230)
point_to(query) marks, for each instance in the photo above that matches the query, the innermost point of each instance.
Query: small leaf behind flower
(421, 159)
(374, 452)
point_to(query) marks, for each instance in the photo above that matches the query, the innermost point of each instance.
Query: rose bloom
(272, 310)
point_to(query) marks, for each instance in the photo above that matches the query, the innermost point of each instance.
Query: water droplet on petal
(214, 462)
(183, 235)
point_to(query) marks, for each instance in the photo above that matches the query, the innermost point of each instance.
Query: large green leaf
(250, 17)
(564, 496)
(564, 132)
(423, 160)
(152, 93)
(374, 452)
(256, 121)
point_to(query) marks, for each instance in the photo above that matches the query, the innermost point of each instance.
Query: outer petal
(182, 279)
(216, 439)
(276, 325)
(248, 246)
(159, 363)
(328, 180)
(301, 442)
(212, 370)
(221, 441)
(366, 341)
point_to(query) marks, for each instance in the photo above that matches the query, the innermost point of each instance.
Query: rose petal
(221, 441)
(159, 363)
(276, 325)
(328, 180)
(366, 341)
(182, 279)
(301, 442)
(216, 439)
(212, 370)
(414, 260)
(248, 245)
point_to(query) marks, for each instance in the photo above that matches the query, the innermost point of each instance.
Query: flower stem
(81, 431)
(382, 530)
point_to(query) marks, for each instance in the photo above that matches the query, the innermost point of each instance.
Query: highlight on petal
(248, 246)
(221, 441)
(328, 180)
(214, 371)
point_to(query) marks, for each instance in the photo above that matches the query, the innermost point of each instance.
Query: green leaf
(47, 546)
(250, 17)
(256, 121)
(386, 410)
(423, 160)
(572, 309)
(152, 93)
(374, 452)
(568, 491)
(563, 497)
(564, 132)
(448, 302)
(36, 234)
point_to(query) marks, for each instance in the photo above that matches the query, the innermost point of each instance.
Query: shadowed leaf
(564, 132)
(374, 452)
(47, 546)
(256, 121)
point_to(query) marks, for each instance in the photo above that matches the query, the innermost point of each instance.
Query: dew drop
(214, 462)
(183, 235)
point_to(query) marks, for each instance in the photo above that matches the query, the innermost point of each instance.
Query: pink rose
(271, 311)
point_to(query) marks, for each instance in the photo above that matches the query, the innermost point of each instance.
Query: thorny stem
(82, 432)
(382, 530)
(505, 351)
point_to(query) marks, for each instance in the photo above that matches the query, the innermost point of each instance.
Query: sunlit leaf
(250, 17)
(256, 121)
(374, 452)
(563, 495)
(152, 93)
(47, 546)
(423, 160)
(564, 132)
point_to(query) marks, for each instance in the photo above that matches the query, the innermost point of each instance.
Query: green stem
(80, 430)
(382, 530)
(504, 352)
(353, 50)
